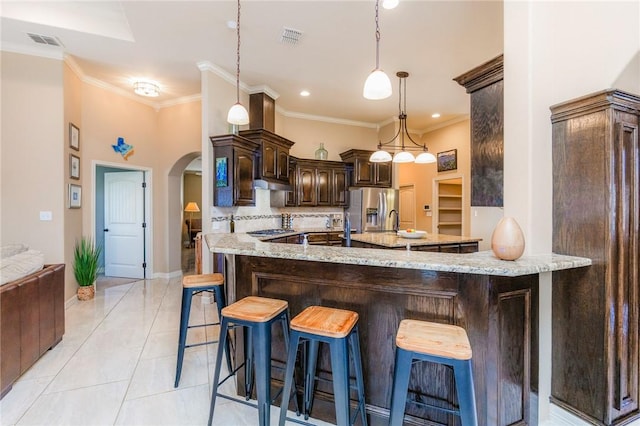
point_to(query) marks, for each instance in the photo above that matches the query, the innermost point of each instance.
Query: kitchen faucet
(396, 225)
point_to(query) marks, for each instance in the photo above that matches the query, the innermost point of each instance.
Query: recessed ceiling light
(305, 93)
(390, 4)
(435, 115)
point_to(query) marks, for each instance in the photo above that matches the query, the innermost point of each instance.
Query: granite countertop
(391, 239)
(300, 231)
(482, 263)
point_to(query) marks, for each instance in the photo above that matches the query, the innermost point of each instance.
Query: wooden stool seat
(255, 309)
(449, 341)
(202, 280)
(325, 321)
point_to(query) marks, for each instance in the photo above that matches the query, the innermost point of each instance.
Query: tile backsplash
(263, 216)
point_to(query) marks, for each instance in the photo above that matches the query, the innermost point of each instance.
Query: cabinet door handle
(106, 229)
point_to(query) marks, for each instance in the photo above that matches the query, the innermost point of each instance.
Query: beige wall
(308, 134)
(422, 176)
(73, 227)
(33, 154)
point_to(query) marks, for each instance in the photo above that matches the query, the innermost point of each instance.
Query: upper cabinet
(273, 161)
(366, 173)
(318, 183)
(235, 161)
(486, 86)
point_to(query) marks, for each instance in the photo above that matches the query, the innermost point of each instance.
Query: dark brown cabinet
(319, 183)
(234, 167)
(596, 204)
(273, 161)
(366, 173)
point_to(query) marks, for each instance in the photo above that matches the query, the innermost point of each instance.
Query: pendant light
(377, 85)
(403, 154)
(238, 114)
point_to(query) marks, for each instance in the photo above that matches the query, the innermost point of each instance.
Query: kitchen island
(495, 301)
(431, 242)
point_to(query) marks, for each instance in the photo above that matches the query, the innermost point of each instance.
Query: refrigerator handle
(382, 210)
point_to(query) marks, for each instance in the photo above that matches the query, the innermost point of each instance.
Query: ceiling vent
(290, 36)
(44, 39)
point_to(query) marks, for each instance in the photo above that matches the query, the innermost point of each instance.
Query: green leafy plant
(85, 261)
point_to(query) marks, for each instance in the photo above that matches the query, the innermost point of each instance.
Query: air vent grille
(44, 39)
(290, 36)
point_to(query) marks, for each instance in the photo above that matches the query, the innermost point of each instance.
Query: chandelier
(238, 114)
(402, 152)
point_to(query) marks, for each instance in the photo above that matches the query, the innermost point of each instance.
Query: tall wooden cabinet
(596, 203)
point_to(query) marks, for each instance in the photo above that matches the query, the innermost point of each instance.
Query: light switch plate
(46, 216)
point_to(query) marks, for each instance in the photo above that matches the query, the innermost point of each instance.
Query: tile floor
(116, 365)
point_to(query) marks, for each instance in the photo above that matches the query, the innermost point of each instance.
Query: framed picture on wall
(448, 160)
(74, 137)
(75, 196)
(222, 177)
(74, 167)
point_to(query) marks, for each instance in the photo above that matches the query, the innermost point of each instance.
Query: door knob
(106, 229)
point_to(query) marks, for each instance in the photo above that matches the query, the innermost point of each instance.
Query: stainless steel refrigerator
(370, 209)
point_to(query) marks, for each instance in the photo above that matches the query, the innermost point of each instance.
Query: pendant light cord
(377, 36)
(238, 57)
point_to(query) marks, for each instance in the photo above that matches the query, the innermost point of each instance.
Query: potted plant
(85, 267)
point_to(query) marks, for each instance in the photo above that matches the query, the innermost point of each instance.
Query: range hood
(271, 170)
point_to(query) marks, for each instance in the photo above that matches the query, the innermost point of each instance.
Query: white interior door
(407, 207)
(123, 219)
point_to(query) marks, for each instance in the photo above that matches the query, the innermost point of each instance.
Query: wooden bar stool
(192, 285)
(339, 329)
(256, 314)
(439, 343)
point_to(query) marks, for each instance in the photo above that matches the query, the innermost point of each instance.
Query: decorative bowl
(412, 234)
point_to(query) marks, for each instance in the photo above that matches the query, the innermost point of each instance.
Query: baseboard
(167, 275)
(72, 301)
(561, 417)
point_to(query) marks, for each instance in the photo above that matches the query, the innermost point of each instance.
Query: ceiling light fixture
(305, 93)
(238, 114)
(403, 154)
(390, 4)
(377, 85)
(146, 88)
(435, 115)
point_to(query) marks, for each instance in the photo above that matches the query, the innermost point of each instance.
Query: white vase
(507, 240)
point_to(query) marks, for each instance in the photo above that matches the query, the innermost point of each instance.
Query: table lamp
(191, 208)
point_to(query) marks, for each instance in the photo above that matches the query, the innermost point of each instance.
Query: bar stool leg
(288, 376)
(401, 375)
(187, 294)
(310, 375)
(248, 362)
(220, 304)
(466, 394)
(357, 364)
(262, 339)
(340, 366)
(216, 375)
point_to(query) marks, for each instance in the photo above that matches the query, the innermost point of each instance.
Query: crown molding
(324, 119)
(48, 52)
(445, 124)
(178, 101)
(228, 77)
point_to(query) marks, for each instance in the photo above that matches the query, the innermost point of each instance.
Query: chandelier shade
(397, 143)
(377, 86)
(146, 88)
